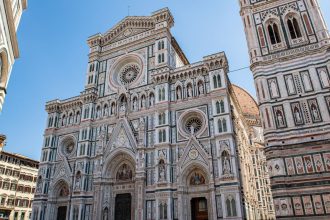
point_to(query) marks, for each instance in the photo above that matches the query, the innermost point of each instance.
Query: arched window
(163, 58)
(217, 81)
(159, 58)
(161, 118)
(293, 27)
(159, 45)
(217, 104)
(163, 45)
(161, 94)
(274, 33)
(224, 125)
(98, 111)
(220, 130)
(63, 120)
(162, 136)
(112, 110)
(222, 106)
(71, 118)
(231, 207)
(77, 117)
(50, 121)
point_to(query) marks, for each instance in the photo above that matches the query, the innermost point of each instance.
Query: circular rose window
(68, 146)
(193, 122)
(193, 125)
(128, 73)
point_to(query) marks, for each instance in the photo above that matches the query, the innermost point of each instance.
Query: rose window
(193, 125)
(129, 73)
(69, 148)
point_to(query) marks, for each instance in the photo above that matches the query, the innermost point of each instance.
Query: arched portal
(118, 186)
(196, 195)
(61, 193)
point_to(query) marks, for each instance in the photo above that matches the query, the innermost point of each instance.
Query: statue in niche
(297, 115)
(200, 88)
(77, 183)
(324, 79)
(124, 173)
(273, 87)
(152, 100)
(161, 170)
(280, 118)
(134, 104)
(197, 179)
(105, 214)
(143, 102)
(178, 93)
(189, 91)
(226, 167)
(315, 112)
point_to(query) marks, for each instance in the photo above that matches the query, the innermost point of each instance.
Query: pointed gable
(121, 137)
(193, 151)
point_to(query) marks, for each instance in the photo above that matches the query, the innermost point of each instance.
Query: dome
(247, 103)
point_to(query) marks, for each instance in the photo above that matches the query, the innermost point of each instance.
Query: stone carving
(162, 171)
(197, 179)
(124, 173)
(226, 164)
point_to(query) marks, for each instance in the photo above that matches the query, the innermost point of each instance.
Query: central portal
(199, 209)
(123, 207)
(61, 213)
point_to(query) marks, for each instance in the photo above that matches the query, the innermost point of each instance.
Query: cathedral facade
(289, 47)
(153, 136)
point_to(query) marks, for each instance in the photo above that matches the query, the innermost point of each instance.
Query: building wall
(149, 126)
(10, 15)
(289, 47)
(18, 177)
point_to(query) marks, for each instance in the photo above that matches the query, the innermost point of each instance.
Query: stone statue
(280, 118)
(134, 104)
(143, 102)
(201, 88)
(192, 130)
(189, 91)
(315, 112)
(178, 93)
(297, 115)
(77, 184)
(152, 99)
(162, 171)
(226, 165)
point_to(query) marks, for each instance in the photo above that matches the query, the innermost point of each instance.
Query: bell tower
(289, 49)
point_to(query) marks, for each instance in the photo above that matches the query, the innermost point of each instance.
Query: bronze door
(123, 207)
(61, 213)
(199, 209)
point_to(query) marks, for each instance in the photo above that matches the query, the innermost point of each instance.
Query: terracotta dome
(247, 103)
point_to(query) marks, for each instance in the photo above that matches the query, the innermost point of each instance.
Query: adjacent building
(289, 48)
(153, 136)
(10, 16)
(18, 176)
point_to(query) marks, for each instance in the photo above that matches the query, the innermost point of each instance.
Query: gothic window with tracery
(220, 106)
(161, 94)
(162, 118)
(293, 27)
(162, 136)
(231, 206)
(217, 81)
(222, 125)
(274, 33)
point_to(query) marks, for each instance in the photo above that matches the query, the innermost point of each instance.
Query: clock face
(193, 154)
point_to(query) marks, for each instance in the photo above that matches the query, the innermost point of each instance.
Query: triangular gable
(128, 27)
(193, 151)
(121, 137)
(63, 171)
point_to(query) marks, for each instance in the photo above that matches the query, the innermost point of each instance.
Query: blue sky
(53, 52)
